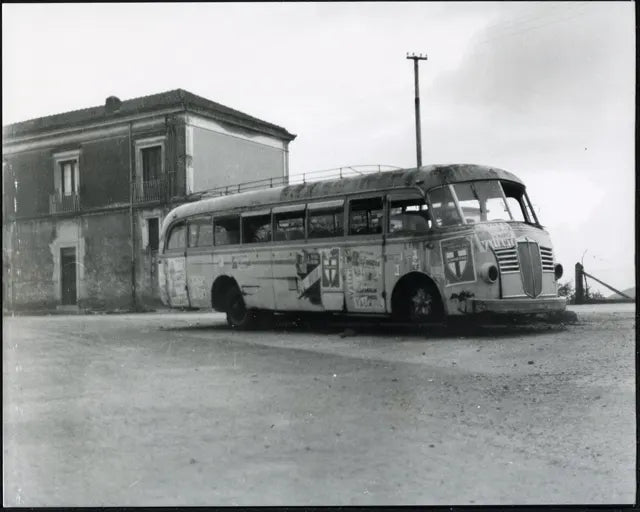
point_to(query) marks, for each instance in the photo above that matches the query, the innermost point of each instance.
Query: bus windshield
(481, 201)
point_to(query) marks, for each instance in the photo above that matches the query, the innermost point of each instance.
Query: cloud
(550, 95)
(576, 58)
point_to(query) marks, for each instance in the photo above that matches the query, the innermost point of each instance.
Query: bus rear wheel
(238, 315)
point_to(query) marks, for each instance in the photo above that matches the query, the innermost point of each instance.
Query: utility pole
(415, 59)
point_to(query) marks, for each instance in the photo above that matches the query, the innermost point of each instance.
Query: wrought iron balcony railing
(59, 203)
(151, 190)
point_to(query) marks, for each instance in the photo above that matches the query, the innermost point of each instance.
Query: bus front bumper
(522, 306)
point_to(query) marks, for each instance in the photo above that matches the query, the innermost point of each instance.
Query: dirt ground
(177, 409)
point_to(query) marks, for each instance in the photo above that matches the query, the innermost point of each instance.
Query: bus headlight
(558, 271)
(489, 272)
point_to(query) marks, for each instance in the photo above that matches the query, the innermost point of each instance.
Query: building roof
(426, 177)
(144, 104)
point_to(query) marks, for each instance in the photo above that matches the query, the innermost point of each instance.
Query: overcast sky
(545, 90)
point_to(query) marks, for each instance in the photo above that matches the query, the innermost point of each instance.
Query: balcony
(151, 190)
(59, 203)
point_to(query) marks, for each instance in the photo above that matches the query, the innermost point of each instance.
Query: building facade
(85, 192)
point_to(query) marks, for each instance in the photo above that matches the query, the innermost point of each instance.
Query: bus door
(364, 255)
(408, 218)
(199, 265)
(175, 268)
(296, 267)
(252, 265)
(331, 250)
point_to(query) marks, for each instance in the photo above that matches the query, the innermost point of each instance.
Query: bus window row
(406, 215)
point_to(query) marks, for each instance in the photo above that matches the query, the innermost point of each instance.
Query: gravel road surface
(177, 409)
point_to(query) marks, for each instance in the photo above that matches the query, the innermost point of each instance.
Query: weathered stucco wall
(221, 156)
(107, 261)
(31, 263)
(104, 172)
(34, 174)
(103, 255)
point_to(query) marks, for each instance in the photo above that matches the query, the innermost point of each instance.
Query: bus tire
(238, 316)
(420, 302)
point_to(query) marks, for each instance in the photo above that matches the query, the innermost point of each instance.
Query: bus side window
(516, 208)
(200, 232)
(289, 225)
(365, 216)
(515, 200)
(227, 230)
(177, 237)
(444, 208)
(326, 223)
(256, 229)
(408, 216)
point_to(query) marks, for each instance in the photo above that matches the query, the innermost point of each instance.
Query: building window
(69, 172)
(151, 163)
(151, 184)
(153, 231)
(66, 173)
(66, 182)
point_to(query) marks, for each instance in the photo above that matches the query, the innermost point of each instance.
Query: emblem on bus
(457, 261)
(331, 269)
(457, 256)
(317, 270)
(308, 270)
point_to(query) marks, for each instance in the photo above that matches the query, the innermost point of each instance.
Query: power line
(516, 23)
(512, 26)
(513, 33)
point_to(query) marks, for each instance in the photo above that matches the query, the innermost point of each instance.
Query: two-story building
(85, 192)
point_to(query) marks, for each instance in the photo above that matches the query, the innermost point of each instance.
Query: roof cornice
(137, 108)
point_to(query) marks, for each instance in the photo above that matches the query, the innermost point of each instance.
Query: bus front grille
(507, 260)
(546, 254)
(530, 268)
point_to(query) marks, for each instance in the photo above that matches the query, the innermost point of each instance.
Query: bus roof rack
(277, 181)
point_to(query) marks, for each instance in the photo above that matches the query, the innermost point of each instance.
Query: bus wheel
(237, 313)
(422, 304)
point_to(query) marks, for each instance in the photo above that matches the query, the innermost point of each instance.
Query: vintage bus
(420, 245)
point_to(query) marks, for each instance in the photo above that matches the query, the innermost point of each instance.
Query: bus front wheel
(420, 303)
(238, 315)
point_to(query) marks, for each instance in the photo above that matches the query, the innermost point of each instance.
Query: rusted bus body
(419, 244)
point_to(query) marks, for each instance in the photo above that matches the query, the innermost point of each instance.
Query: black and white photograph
(216, 290)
